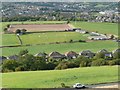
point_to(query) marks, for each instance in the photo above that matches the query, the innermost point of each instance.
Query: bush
(20, 68)
(18, 31)
(71, 41)
(6, 70)
(83, 64)
(23, 52)
(99, 62)
(112, 62)
(5, 30)
(71, 65)
(62, 65)
(8, 25)
(10, 65)
(82, 41)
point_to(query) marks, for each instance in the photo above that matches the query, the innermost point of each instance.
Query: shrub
(71, 41)
(18, 31)
(5, 30)
(20, 68)
(82, 41)
(112, 62)
(23, 52)
(8, 25)
(99, 62)
(62, 65)
(83, 64)
(10, 65)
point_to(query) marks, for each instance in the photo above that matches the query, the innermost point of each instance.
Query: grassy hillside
(106, 28)
(52, 79)
(78, 47)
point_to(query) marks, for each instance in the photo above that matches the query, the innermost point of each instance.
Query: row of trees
(28, 62)
(32, 18)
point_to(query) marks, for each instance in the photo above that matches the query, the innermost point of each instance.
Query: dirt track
(40, 27)
(108, 85)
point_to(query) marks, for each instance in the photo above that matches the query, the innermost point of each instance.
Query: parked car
(78, 86)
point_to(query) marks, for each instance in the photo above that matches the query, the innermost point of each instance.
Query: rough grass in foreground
(54, 78)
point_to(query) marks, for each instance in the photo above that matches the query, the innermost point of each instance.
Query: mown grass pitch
(54, 78)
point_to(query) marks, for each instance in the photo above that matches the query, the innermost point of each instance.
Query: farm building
(71, 54)
(98, 38)
(81, 31)
(94, 34)
(87, 53)
(56, 55)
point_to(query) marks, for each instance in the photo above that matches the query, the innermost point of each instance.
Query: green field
(37, 38)
(9, 39)
(48, 37)
(54, 78)
(62, 48)
(105, 28)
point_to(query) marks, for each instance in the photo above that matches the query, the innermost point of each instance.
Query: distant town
(56, 11)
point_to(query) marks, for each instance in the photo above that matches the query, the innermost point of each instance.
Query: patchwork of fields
(54, 78)
(53, 37)
(40, 42)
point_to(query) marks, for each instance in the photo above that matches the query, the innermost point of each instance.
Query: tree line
(29, 62)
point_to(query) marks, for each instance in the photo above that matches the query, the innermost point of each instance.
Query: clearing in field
(40, 27)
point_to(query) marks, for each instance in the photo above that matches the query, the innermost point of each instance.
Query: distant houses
(13, 57)
(69, 55)
(87, 53)
(56, 55)
(79, 30)
(107, 55)
(3, 58)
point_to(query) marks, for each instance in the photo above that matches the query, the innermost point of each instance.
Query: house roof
(103, 50)
(3, 57)
(41, 54)
(86, 51)
(55, 54)
(117, 50)
(71, 53)
(13, 57)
